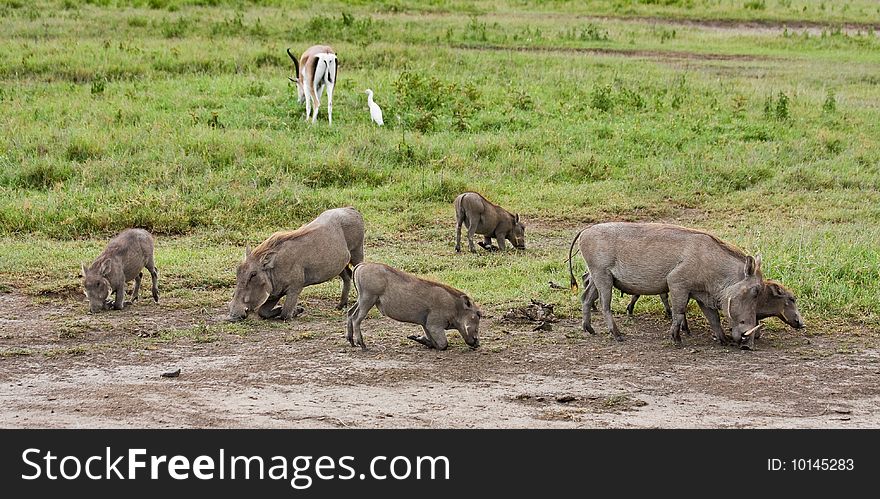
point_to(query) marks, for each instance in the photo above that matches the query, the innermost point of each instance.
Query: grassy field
(177, 116)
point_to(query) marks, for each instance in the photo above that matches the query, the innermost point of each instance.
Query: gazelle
(314, 70)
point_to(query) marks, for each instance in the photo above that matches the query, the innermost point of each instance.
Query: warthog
(775, 300)
(122, 260)
(406, 298)
(288, 261)
(652, 259)
(482, 217)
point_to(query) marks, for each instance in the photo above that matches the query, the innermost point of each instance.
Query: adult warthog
(482, 217)
(289, 261)
(652, 259)
(407, 298)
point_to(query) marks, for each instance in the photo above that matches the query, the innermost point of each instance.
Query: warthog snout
(475, 344)
(237, 312)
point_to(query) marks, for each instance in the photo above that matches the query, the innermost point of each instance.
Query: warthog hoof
(275, 312)
(421, 339)
(294, 314)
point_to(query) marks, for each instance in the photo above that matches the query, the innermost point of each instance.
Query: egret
(375, 110)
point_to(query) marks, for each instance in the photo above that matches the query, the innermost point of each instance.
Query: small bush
(176, 29)
(441, 190)
(341, 172)
(98, 85)
(830, 104)
(138, 22)
(81, 150)
(755, 4)
(601, 98)
(272, 59)
(42, 175)
(782, 112)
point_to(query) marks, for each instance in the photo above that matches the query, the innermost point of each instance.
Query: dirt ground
(61, 367)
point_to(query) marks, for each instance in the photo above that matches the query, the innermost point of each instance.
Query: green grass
(177, 116)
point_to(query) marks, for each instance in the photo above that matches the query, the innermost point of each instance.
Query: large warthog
(775, 300)
(122, 260)
(290, 260)
(406, 298)
(482, 217)
(652, 259)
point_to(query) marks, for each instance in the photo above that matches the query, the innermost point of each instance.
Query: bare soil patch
(60, 367)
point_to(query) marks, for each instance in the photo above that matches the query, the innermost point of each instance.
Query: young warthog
(775, 300)
(652, 259)
(482, 217)
(122, 260)
(407, 298)
(289, 261)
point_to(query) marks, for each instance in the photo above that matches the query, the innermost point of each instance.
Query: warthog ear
(82, 270)
(247, 251)
(467, 301)
(516, 217)
(268, 260)
(751, 266)
(105, 268)
(758, 262)
(776, 290)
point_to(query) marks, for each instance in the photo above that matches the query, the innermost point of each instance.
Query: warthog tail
(572, 282)
(353, 280)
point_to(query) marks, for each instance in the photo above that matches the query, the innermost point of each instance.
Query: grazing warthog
(775, 300)
(122, 260)
(652, 259)
(482, 217)
(290, 260)
(406, 298)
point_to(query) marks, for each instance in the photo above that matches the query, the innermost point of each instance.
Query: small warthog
(482, 217)
(122, 260)
(652, 259)
(775, 300)
(406, 298)
(289, 261)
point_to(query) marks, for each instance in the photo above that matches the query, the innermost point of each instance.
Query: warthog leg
(154, 275)
(349, 332)
(714, 322)
(678, 300)
(346, 287)
(137, 287)
(472, 229)
(632, 305)
(355, 316)
(421, 339)
(435, 337)
(289, 310)
(119, 301)
(603, 283)
(588, 303)
(268, 310)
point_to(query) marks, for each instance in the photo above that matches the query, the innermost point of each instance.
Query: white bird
(375, 110)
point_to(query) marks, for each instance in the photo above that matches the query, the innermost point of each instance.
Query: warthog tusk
(750, 331)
